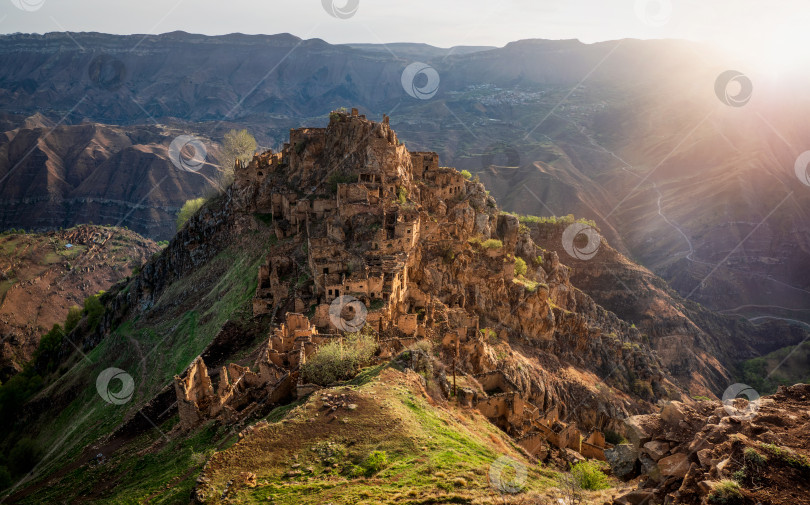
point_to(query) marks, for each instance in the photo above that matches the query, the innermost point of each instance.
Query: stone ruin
(362, 214)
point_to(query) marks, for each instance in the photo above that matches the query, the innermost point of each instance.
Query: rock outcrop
(740, 451)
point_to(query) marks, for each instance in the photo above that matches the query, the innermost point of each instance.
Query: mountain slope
(93, 173)
(248, 290)
(44, 275)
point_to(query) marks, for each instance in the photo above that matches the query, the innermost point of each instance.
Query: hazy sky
(437, 22)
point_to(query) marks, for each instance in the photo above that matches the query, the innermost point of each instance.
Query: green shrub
(47, 354)
(423, 345)
(338, 178)
(340, 359)
(94, 310)
(492, 244)
(726, 493)
(520, 266)
(73, 317)
(189, 209)
(614, 438)
(375, 462)
(466, 174)
(588, 475)
(402, 195)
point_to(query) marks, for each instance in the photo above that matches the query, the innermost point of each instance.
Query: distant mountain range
(631, 134)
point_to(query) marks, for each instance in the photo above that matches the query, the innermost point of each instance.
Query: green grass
(788, 456)
(588, 474)
(726, 493)
(785, 366)
(531, 286)
(397, 449)
(152, 348)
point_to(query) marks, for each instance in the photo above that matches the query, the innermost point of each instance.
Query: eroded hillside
(42, 276)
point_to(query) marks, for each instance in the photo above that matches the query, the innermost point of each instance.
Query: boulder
(673, 413)
(656, 449)
(636, 497)
(640, 429)
(675, 465)
(622, 459)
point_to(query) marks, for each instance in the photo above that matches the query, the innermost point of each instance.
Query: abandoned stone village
(429, 255)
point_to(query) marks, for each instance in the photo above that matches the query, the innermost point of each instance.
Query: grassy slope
(785, 366)
(436, 453)
(152, 347)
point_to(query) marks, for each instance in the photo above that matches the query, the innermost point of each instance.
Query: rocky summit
(351, 322)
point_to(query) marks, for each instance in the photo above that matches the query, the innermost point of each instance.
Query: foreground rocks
(708, 452)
